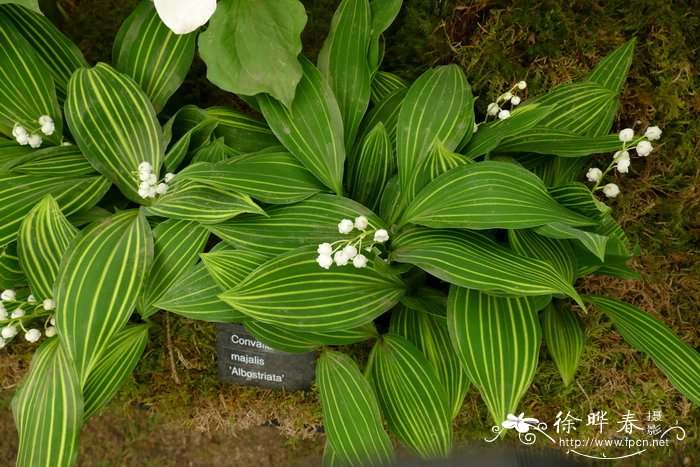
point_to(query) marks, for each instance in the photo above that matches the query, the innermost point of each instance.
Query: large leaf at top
(311, 127)
(564, 337)
(343, 62)
(678, 360)
(43, 238)
(115, 126)
(48, 409)
(251, 47)
(148, 51)
(611, 72)
(292, 290)
(60, 56)
(488, 195)
(27, 90)
(411, 397)
(498, 341)
(470, 259)
(98, 284)
(351, 416)
(383, 14)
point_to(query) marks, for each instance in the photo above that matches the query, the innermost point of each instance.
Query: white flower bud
(162, 188)
(611, 190)
(168, 177)
(8, 332)
(35, 141)
(52, 320)
(521, 85)
(507, 96)
(653, 133)
(325, 249)
(8, 295)
(31, 300)
(381, 236)
(644, 148)
(325, 261)
(623, 166)
(152, 179)
(620, 155)
(493, 109)
(340, 258)
(23, 139)
(515, 100)
(361, 223)
(3, 314)
(47, 125)
(18, 313)
(49, 304)
(594, 174)
(145, 168)
(350, 251)
(33, 335)
(345, 226)
(143, 193)
(66, 143)
(476, 128)
(19, 130)
(359, 261)
(626, 135)
(152, 192)
(503, 115)
(50, 331)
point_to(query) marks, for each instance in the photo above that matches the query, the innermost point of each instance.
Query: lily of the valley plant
(354, 196)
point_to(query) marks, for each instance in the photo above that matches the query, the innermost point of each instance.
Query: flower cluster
(24, 136)
(343, 252)
(149, 185)
(15, 312)
(621, 159)
(496, 108)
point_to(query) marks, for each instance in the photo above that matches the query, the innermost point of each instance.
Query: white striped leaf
(276, 178)
(488, 195)
(470, 259)
(564, 337)
(12, 153)
(591, 241)
(242, 133)
(577, 197)
(229, 267)
(436, 162)
(99, 280)
(27, 90)
(370, 170)
(67, 161)
(293, 291)
(114, 125)
(42, 240)
(557, 253)
(498, 341)
(427, 300)
(48, 409)
(11, 273)
(194, 139)
(29, 4)
(351, 417)
(176, 245)
(194, 294)
(148, 51)
(58, 54)
(330, 458)
(678, 360)
(385, 84)
(611, 72)
(343, 62)
(251, 49)
(411, 397)
(385, 112)
(311, 128)
(563, 143)
(195, 201)
(389, 206)
(309, 222)
(295, 341)
(214, 152)
(114, 367)
(429, 334)
(383, 14)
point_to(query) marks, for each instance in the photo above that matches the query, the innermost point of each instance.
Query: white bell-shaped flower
(594, 174)
(8, 332)
(8, 295)
(361, 223)
(184, 16)
(381, 236)
(611, 190)
(50, 331)
(359, 261)
(49, 304)
(325, 261)
(345, 226)
(32, 335)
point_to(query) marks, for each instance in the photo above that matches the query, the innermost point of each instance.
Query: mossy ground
(174, 396)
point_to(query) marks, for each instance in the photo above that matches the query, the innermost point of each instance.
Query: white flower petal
(184, 16)
(509, 424)
(522, 427)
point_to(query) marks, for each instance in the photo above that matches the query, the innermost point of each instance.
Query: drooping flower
(184, 16)
(594, 174)
(340, 258)
(520, 423)
(32, 335)
(47, 125)
(162, 188)
(381, 236)
(359, 261)
(325, 261)
(3, 314)
(8, 332)
(8, 295)
(325, 249)
(653, 133)
(350, 251)
(619, 155)
(507, 96)
(35, 141)
(361, 223)
(611, 190)
(503, 114)
(50, 331)
(623, 165)
(20, 134)
(644, 148)
(31, 300)
(49, 304)
(345, 226)
(515, 100)
(145, 168)
(626, 135)
(521, 85)
(493, 109)
(17, 313)
(168, 177)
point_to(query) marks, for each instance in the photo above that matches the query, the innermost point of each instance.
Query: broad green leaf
(383, 14)
(194, 295)
(43, 238)
(27, 89)
(214, 152)
(564, 337)
(295, 341)
(12, 153)
(498, 341)
(577, 197)
(176, 245)
(192, 140)
(309, 222)
(55, 51)
(114, 367)
(413, 400)
(114, 125)
(29, 4)
(251, 48)
(229, 267)
(48, 409)
(11, 273)
(384, 84)
(557, 253)
(678, 360)
(200, 202)
(472, 260)
(277, 178)
(242, 133)
(595, 243)
(488, 195)
(437, 161)
(293, 291)
(343, 62)
(98, 283)
(611, 72)
(429, 335)
(352, 421)
(563, 143)
(148, 51)
(311, 127)
(427, 300)
(66, 161)
(386, 112)
(330, 458)
(389, 207)
(370, 170)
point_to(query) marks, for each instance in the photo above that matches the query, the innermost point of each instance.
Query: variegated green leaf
(498, 341)
(11, 273)
(413, 400)
(242, 133)
(563, 143)
(564, 337)
(351, 414)
(593, 242)
(48, 409)
(370, 170)
(488, 195)
(214, 152)
(229, 267)
(383, 14)
(678, 360)
(115, 126)
(43, 238)
(385, 84)
(427, 300)
(66, 161)
(99, 280)
(192, 140)
(557, 253)
(114, 367)
(312, 128)
(148, 51)
(295, 341)
(611, 72)
(292, 290)
(436, 162)
(385, 112)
